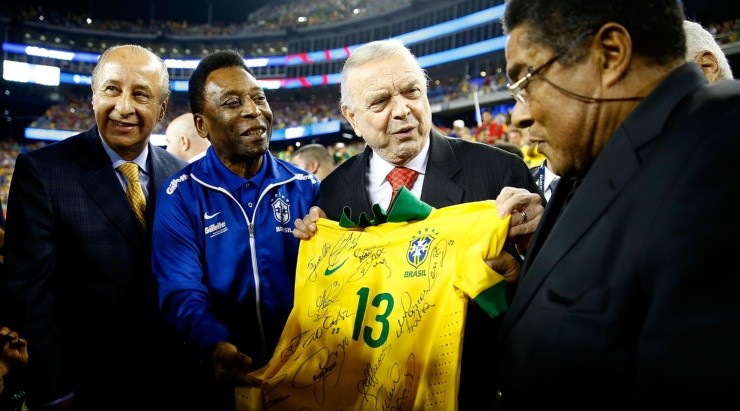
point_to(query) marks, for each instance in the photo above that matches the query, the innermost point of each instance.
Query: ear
(708, 64)
(200, 125)
(162, 110)
(350, 116)
(184, 142)
(612, 48)
(313, 167)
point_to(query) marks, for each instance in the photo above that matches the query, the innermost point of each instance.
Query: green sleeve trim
(405, 207)
(493, 300)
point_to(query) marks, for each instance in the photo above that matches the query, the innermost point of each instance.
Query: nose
(249, 109)
(520, 116)
(399, 107)
(125, 104)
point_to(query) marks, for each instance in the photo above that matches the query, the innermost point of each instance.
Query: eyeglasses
(516, 88)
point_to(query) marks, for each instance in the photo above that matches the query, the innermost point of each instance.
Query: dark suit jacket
(458, 171)
(81, 266)
(631, 301)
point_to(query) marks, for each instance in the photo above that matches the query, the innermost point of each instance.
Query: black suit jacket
(458, 171)
(80, 264)
(629, 299)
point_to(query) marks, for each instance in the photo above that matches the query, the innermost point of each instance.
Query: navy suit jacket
(629, 299)
(80, 264)
(458, 171)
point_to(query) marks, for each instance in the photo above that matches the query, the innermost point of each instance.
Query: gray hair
(368, 52)
(698, 39)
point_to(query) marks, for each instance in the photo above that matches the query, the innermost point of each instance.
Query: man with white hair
(702, 48)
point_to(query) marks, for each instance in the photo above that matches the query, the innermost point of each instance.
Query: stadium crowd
(291, 109)
(274, 16)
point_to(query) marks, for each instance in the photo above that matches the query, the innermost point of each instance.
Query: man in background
(183, 139)
(459, 130)
(702, 48)
(491, 128)
(314, 158)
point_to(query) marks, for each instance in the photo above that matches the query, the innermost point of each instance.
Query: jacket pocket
(577, 299)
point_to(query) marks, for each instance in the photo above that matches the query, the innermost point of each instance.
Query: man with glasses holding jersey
(627, 298)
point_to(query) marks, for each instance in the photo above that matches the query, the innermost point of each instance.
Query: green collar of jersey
(405, 207)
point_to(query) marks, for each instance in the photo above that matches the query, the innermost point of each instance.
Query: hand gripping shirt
(378, 314)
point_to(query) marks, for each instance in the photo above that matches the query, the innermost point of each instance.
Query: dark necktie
(401, 176)
(553, 185)
(569, 187)
(134, 193)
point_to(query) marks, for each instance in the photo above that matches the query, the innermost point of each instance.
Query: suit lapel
(358, 199)
(604, 181)
(439, 189)
(100, 182)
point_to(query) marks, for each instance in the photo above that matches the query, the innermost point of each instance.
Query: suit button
(499, 394)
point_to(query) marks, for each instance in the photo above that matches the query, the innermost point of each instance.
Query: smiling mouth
(257, 132)
(119, 124)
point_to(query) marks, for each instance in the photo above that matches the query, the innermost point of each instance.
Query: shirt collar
(380, 168)
(197, 156)
(549, 176)
(117, 160)
(233, 181)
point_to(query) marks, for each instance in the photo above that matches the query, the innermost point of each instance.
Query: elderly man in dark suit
(384, 98)
(628, 296)
(78, 258)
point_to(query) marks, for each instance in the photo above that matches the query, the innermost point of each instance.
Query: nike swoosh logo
(330, 271)
(208, 217)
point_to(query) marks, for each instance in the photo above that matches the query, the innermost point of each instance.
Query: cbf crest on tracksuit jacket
(224, 254)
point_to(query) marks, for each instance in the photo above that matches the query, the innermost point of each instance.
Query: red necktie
(401, 176)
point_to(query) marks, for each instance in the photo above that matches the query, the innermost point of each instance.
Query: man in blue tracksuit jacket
(224, 255)
(225, 264)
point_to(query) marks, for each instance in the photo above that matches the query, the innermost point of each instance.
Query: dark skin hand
(506, 265)
(231, 367)
(14, 353)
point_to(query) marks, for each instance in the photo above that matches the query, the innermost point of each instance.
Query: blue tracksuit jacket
(225, 266)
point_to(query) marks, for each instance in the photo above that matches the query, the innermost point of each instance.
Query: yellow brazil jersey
(378, 314)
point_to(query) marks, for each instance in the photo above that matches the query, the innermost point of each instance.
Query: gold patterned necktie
(134, 192)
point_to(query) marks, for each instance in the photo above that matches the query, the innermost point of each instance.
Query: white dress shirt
(379, 189)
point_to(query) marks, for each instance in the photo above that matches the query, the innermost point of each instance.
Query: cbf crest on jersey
(419, 247)
(280, 208)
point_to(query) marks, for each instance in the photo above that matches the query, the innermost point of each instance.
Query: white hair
(371, 51)
(699, 40)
